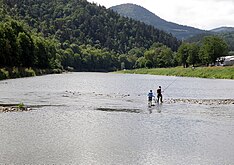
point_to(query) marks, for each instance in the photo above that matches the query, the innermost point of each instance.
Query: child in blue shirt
(150, 97)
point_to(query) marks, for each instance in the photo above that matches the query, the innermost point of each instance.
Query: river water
(103, 118)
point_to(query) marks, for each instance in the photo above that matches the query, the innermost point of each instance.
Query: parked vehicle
(225, 61)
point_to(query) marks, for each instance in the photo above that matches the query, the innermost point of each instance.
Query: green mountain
(223, 29)
(85, 23)
(141, 14)
(86, 36)
(228, 37)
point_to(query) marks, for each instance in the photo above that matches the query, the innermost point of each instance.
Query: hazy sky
(203, 14)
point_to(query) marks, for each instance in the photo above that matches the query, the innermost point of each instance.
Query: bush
(4, 74)
(15, 73)
(57, 71)
(29, 72)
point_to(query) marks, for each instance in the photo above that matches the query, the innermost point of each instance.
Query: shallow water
(101, 118)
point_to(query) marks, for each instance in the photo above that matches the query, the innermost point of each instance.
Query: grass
(21, 105)
(201, 72)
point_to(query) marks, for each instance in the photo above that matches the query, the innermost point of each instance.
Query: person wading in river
(159, 94)
(150, 98)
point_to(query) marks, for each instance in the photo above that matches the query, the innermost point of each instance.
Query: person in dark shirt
(159, 94)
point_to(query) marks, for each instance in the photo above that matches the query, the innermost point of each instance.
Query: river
(103, 118)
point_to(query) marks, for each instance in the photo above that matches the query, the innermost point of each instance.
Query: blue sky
(203, 14)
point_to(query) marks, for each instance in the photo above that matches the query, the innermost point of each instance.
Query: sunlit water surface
(68, 128)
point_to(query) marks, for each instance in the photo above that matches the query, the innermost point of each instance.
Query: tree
(140, 63)
(68, 58)
(150, 56)
(138, 52)
(148, 64)
(26, 49)
(165, 58)
(212, 48)
(193, 57)
(183, 53)
(159, 55)
(8, 45)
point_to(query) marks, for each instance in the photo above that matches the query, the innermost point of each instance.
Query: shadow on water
(153, 108)
(157, 106)
(120, 110)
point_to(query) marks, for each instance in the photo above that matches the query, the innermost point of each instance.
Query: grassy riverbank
(201, 72)
(8, 73)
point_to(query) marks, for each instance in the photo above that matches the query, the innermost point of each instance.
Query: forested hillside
(87, 36)
(228, 37)
(20, 47)
(141, 14)
(223, 29)
(85, 23)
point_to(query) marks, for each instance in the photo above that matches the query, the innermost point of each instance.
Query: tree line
(202, 53)
(21, 48)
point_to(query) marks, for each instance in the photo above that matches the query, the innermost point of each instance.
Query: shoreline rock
(202, 101)
(13, 109)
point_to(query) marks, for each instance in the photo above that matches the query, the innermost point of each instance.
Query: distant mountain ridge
(141, 14)
(223, 29)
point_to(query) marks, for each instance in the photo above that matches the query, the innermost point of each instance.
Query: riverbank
(8, 73)
(201, 72)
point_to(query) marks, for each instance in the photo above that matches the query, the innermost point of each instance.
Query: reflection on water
(99, 118)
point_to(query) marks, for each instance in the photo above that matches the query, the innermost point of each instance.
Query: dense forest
(87, 36)
(21, 48)
(75, 34)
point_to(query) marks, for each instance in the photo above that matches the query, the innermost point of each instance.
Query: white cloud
(204, 14)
